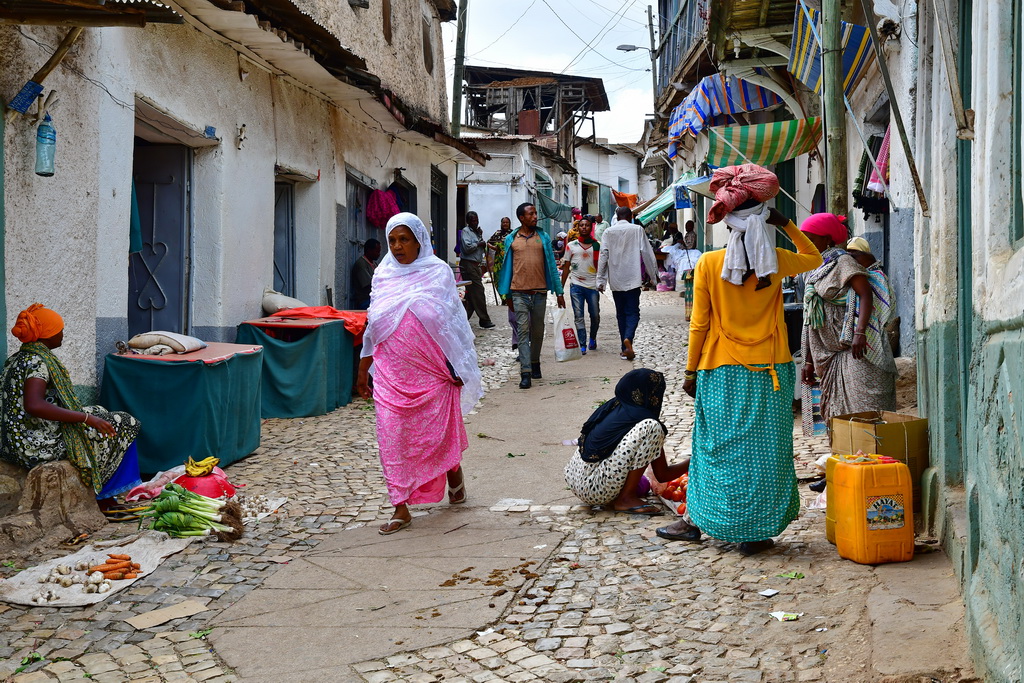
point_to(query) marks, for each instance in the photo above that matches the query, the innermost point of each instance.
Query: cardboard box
(902, 437)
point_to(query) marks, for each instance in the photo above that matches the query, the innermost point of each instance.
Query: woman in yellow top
(742, 486)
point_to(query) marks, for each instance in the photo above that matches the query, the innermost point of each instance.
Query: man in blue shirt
(527, 275)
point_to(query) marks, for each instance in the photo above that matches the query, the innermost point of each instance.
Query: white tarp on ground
(148, 548)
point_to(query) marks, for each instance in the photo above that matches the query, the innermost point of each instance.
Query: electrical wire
(601, 33)
(580, 38)
(512, 26)
(76, 71)
(608, 9)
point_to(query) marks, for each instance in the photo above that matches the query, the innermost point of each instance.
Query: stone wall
(971, 352)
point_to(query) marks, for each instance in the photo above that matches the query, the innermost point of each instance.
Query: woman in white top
(580, 265)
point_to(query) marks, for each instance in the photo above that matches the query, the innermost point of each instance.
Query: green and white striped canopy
(763, 144)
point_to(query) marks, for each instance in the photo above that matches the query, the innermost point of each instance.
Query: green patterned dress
(742, 481)
(28, 441)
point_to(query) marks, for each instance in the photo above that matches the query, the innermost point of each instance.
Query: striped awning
(665, 200)
(716, 96)
(764, 144)
(805, 53)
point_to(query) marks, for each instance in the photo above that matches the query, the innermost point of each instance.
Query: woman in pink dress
(418, 347)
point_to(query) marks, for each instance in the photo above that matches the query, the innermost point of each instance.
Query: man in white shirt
(624, 248)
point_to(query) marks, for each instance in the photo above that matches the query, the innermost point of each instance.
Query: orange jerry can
(874, 511)
(830, 505)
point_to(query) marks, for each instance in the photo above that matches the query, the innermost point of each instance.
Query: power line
(599, 35)
(512, 26)
(608, 9)
(580, 38)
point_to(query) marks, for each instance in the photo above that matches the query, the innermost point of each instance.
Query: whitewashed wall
(67, 236)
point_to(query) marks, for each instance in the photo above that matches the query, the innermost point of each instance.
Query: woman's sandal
(390, 528)
(452, 492)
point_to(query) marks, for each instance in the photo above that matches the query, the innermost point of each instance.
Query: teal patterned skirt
(742, 480)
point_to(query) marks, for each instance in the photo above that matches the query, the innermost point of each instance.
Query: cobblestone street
(610, 602)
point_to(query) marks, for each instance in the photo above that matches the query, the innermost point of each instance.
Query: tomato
(681, 509)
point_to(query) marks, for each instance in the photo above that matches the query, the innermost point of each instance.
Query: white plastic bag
(567, 346)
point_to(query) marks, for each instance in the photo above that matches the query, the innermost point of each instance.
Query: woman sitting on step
(43, 420)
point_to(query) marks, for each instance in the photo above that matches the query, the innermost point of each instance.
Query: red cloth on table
(734, 185)
(355, 321)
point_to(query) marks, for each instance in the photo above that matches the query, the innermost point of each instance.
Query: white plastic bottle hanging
(46, 147)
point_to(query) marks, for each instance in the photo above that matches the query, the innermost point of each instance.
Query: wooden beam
(763, 18)
(87, 4)
(58, 55)
(80, 19)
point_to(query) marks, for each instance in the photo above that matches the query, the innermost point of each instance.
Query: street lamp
(654, 66)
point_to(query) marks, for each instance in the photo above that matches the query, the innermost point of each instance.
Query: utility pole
(460, 63)
(835, 113)
(654, 59)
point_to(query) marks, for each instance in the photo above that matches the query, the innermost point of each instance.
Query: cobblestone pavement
(615, 602)
(612, 602)
(333, 482)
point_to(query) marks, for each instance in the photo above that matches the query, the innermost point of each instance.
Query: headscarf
(826, 225)
(427, 288)
(751, 245)
(37, 322)
(734, 185)
(859, 244)
(638, 397)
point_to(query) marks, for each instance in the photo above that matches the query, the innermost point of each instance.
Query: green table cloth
(309, 375)
(189, 405)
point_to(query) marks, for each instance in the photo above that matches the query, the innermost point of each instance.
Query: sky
(576, 37)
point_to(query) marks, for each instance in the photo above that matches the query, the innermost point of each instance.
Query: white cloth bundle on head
(751, 245)
(427, 288)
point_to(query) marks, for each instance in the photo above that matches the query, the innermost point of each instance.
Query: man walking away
(623, 249)
(526, 277)
(471, 267)
(362, 274)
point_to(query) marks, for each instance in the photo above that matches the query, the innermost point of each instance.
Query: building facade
(969, 258)
(249, 136)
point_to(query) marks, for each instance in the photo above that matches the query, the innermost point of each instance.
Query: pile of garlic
(64, 575)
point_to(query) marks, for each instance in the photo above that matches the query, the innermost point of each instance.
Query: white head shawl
(427, 288)
(756, 250)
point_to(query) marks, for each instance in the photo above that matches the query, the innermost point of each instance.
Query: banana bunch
(201, 468)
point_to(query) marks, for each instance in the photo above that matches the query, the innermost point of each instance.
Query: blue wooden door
(158, 291)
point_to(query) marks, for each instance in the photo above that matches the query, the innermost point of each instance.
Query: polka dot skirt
(599, 483)
(742, 480)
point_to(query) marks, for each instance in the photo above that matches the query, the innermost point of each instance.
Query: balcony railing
(683, 28)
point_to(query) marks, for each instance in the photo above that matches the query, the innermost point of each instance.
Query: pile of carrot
(117, 567)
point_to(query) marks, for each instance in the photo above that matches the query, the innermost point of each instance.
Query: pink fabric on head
(734, 185)
(420, 431)
(826, 225)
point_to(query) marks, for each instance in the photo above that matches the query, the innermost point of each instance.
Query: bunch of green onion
(181, 513)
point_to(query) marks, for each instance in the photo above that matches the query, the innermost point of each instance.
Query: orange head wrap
(37, 322)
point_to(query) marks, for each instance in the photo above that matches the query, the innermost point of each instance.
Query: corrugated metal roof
(87, 12)
(482, 76)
